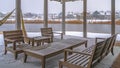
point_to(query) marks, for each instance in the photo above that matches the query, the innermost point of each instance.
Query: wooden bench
(16, 38)
(109, 47)
(88, 57)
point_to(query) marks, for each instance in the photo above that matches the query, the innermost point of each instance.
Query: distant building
(1, 14)
(30, 15)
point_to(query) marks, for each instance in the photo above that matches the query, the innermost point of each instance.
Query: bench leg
(16, 55)
(25, 58)
(60, 65)
(5, 49)
(5, 52)
(86, 44)
(112, 51)
(38, 43)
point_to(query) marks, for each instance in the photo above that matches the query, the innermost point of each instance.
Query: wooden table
(38, 40)
(53, 49)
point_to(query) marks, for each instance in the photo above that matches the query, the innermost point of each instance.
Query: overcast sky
(36, 6)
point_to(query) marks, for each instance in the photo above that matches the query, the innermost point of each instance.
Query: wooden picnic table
(52, 49)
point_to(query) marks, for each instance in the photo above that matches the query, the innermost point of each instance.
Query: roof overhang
(65, 0)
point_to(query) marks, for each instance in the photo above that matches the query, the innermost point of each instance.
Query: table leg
(43, 62)
(28, 41)
(61, 36)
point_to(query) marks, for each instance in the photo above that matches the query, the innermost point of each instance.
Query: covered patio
(82, 31)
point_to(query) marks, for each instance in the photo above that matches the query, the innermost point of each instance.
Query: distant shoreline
(67, 22)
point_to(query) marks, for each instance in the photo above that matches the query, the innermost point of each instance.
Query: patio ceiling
(65, 0)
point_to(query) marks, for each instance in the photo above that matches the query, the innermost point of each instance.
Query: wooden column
(113, 17)
(45, 13)
(63, 17)
(84, 18)
(18, 9)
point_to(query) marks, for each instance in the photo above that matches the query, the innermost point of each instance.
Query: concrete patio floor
(7, 61)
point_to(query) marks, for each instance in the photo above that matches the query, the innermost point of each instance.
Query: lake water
(97, 28)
